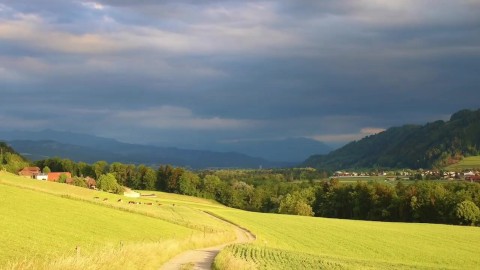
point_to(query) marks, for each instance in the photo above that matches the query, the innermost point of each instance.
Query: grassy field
(465, 164)
(43, 223)
(353, 180)
(174, 208)
(294, 242)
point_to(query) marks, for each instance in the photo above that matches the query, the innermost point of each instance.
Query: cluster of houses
(472, 175)
(36, 173)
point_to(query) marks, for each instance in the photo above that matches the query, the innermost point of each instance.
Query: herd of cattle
(129, 202)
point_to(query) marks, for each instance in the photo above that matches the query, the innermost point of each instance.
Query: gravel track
(202, 259)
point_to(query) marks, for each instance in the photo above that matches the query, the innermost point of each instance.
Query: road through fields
(202, 259)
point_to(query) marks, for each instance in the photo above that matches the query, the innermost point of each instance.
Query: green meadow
(48, 225)
(467, 163)
(42, 223)
(295, 242)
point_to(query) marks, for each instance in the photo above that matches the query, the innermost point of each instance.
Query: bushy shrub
(107, 182)
(467, 212)
(119, 189)
(79, 182)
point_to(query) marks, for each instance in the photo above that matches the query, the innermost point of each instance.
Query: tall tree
(149, 178)
(120, 172)
(99, 167)
(46, 170)
(189, 183)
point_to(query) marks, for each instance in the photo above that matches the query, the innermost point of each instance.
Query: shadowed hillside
(435, 144)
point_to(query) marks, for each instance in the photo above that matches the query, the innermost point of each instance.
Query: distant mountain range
(82, 147)
(411, 146)
(293, 150)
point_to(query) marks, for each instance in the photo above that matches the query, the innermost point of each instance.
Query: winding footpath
(202, 259)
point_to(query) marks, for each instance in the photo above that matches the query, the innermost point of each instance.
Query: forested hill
(433, 145)
(10, 160)
(4, 149)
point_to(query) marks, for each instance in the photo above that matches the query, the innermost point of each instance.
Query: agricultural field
(295, 242)
(353, 180)
(183, 200)
(56, 226)
(174, 208)
(377, 179)
(465, 164)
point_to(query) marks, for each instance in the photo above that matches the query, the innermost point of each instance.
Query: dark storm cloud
(201, 71)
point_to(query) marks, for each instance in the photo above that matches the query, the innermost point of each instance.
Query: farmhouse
(31, 172)
(54, 176)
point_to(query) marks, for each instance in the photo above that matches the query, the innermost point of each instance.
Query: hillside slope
(11, 160)
(43, 223)
(411, 146)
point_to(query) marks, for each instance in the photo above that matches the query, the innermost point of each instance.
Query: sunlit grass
(290, 240)
(42, 224)
(465, 164)
(178, 209)
(55, 226)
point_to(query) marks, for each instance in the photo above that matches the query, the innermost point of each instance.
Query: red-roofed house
(54, 176)
(31, 172)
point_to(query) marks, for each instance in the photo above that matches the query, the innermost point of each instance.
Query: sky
(193, 73)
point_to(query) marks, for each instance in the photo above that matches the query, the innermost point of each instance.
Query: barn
(31, 172)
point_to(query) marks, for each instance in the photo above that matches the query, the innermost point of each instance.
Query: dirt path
(203, 258)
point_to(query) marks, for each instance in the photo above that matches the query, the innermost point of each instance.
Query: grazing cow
(105, 199)
(159, 204)
(96, 198)
(119, 200)
(131, 202)
(148, 203)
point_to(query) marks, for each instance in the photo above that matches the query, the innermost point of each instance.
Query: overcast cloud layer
(196, 72)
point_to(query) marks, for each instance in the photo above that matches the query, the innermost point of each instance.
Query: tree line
(297, 191)
(455, 202)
